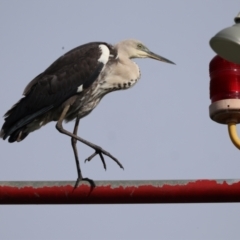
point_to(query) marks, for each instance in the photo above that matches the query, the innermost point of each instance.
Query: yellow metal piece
(232, 130)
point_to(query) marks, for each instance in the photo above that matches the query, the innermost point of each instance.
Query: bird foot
(100, 152)
(90, 181)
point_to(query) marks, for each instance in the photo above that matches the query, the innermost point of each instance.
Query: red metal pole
(121, 192)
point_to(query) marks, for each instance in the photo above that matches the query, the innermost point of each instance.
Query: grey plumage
(73, 86)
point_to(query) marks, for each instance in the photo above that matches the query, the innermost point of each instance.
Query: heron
(71, 87)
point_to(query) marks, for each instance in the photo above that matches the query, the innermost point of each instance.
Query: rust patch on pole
(121, 192)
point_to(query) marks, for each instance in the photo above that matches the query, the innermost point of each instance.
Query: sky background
(159, 129)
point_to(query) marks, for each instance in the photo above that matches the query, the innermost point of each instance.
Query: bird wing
(77, 68)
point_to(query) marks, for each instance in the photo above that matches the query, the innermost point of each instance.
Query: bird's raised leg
(98, 150)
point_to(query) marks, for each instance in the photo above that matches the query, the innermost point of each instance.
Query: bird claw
(100, 152)
(79, 179)
(91, 157)
(101, 156)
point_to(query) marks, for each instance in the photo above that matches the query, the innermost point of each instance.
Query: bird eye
(140, 45)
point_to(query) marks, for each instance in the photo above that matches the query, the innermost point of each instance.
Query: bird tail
(17, 119)
(18, 135)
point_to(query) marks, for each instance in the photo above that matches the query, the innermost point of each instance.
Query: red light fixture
(225, 79)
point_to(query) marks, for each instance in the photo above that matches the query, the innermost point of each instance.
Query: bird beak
(158, 57)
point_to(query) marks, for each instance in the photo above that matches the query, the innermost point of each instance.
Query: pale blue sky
(160, 129)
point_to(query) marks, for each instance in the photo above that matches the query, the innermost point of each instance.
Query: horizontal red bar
(121, 192)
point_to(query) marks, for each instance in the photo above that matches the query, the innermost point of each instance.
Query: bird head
(135, 49)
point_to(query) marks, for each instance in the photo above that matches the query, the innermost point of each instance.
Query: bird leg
(74, 141)
(98, 150)
(74, 146)
(75, 151)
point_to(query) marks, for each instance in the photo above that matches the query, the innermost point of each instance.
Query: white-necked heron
(72, 87)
